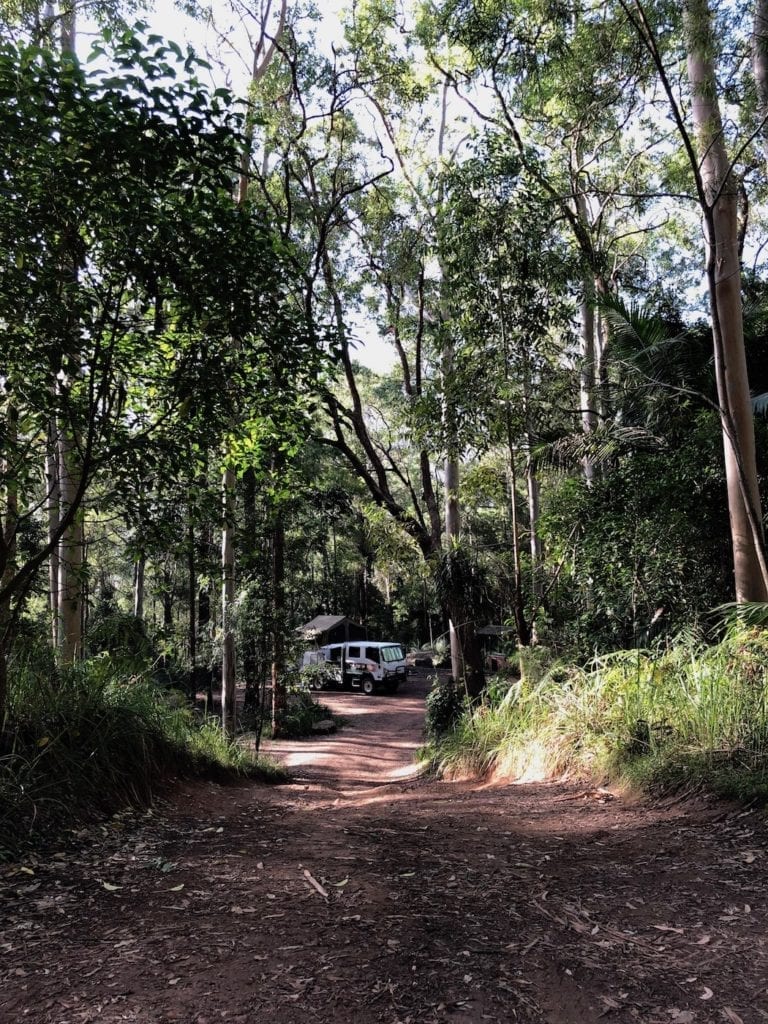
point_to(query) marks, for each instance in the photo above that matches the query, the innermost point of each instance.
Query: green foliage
(458, 577)
(123, 637)
(319, 677)
(445, 704)
(645, 549)
(689, 715)
(141, 306)
(303, 712)
(87, 742)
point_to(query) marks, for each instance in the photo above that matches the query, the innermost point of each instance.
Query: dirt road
(364, 894)
(378, 743)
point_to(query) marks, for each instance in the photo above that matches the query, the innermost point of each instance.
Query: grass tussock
(91, 741)
(691, 716)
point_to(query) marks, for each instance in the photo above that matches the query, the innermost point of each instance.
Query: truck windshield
(394, 653)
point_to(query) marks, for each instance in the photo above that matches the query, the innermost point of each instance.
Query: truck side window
(372, 654)
(336, 654)
(353, 652)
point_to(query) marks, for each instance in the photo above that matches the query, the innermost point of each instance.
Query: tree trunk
(724, 279)
(263, 53)
(452, 478)
(587, 370)
(452, 534)
(167, 602)
(68, 26)
(70, 559)
(3, 675)
(279, 693)
(472, 666)
(251, 532)
(228, 692)
(518, 602)
(9, 474)
(8, 527)
(139, 570)
(52, 501)
(760, 67)
(532, 488)
(191, 599)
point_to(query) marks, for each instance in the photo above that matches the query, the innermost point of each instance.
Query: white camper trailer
(360, 664)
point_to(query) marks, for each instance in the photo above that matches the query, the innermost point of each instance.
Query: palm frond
(601, 446)
(760, 404)
(645, 345)
(753, 614)
(632, 327)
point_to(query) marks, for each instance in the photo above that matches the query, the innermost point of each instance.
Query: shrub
(303, 711)
(84, 742)
(445, 705)
(683, 716)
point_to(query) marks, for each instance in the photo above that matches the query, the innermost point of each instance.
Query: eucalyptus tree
(565, 86)
(407, 102)
(508, 272)
(263, 48)
(126, 179)
(713, 151)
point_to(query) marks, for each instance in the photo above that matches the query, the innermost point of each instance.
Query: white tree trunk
(452, 479)
(534, 489)
(452, 533)
(760, 66)
(724, 277)
(68, 26)
(587, 371)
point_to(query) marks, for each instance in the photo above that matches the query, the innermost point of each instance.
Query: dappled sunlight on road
(375, 745)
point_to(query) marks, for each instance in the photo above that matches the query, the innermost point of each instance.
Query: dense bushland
(98, 737)
(681, 717)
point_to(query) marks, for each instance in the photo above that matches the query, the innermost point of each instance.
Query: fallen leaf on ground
(731, 1015)
(707, 993)
(612, 1003)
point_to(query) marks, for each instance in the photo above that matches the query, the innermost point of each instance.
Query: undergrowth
(91, 740)
(687, 717)
(304, 712)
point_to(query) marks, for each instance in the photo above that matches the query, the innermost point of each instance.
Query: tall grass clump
(89, 741)
(691, 715)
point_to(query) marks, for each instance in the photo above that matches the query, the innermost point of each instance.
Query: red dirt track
(363, 893)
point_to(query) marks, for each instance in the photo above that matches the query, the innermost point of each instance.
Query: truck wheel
(367, 685)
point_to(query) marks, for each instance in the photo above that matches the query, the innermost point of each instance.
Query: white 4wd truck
(360, 664)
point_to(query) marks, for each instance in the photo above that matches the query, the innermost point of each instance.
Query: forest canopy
(551, 218)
